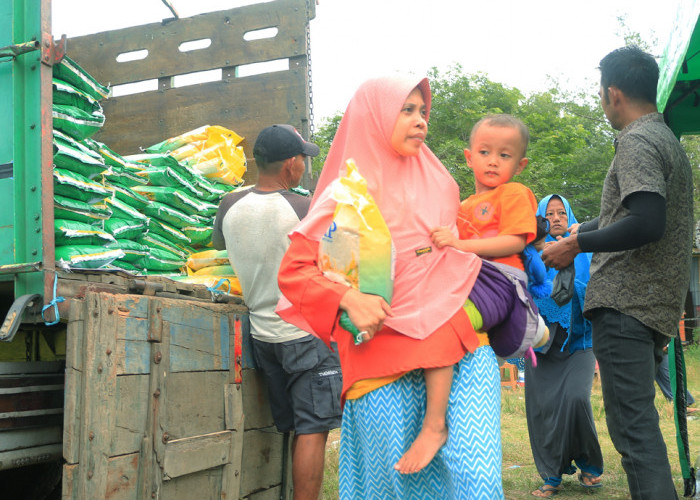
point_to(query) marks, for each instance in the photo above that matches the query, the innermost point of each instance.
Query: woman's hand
(366, 311)
(443, 237)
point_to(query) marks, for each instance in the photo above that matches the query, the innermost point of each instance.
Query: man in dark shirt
(641, 244)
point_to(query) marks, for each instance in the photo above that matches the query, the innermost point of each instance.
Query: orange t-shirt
(507, 210)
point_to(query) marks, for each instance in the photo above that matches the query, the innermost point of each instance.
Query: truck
(115, 385)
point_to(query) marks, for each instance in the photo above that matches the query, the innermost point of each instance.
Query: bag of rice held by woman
(357, 249)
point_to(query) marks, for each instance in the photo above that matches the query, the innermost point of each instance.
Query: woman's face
(556, 215)
(411, 127)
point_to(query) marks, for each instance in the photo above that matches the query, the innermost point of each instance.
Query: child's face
(496, 156)
(410, 128)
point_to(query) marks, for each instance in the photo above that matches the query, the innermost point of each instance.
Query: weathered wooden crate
(161, 402)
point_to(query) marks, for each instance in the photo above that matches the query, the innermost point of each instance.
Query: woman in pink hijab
(426, 325)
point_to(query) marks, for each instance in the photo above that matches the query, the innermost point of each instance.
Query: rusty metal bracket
(52, 52)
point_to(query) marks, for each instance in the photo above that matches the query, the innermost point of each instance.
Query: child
(498, 221)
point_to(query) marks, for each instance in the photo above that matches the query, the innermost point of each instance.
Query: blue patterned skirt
(380, 426)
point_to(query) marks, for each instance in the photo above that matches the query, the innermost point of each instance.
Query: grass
(520, 476)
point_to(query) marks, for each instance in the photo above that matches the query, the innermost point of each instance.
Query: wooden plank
(131, 414)
(235, 421)
(205, 484)
(195, 403)
(72, 409)
(122, 474)
(262, 456)
(98, 53)
(194, 454)
(98, 393)
(256, 405)
(69, 484)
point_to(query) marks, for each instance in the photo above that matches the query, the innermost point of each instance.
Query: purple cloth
(506, 311)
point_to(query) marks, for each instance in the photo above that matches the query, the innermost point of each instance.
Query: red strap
(238, 349)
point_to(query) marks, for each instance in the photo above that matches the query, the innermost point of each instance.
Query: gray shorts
(304, 383)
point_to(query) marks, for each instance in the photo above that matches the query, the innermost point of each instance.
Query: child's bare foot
(422, 451)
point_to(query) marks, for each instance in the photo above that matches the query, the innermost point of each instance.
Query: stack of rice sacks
(146, 213)
(79, 171)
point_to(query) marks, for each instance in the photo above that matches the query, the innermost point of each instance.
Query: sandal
(588, 480)
(547, 491)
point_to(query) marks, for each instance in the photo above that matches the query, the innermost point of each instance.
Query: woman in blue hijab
(558, 391)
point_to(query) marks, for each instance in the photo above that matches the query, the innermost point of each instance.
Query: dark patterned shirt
(648, 283)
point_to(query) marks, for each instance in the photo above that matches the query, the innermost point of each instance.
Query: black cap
(279, 142)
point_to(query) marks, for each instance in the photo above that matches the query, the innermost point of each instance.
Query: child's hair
(542, 227)
(503, 120)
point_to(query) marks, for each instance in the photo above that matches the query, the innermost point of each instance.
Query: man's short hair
(631, 70)
(503, 120)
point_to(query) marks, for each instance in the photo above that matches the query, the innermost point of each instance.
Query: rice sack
(357, 250)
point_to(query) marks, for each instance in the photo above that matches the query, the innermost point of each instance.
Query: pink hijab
(414, 194)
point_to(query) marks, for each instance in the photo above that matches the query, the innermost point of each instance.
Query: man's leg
(308, 454)
(628, 354)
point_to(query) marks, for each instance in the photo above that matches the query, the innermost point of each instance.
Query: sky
(519, 43)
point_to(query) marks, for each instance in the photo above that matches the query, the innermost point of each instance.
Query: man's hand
(561, 253)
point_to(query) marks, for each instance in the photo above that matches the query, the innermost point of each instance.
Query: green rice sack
(123, 265)
(83, 146)
(153, 240)
(67, 95)
(67, 208)
(77, 187)
(178, 199)
(69, 71)
(166, 176)
(86, 256)
(132, 250)
(125, 228)
(168, 214)
(67, 157)
(168, 232)
(123, 176)
(75, 122)
(198, 235)
(160, 260)
(129, 196)
(70, 232)
(124, 211)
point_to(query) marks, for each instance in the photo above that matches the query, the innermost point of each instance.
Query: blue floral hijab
(569, 316)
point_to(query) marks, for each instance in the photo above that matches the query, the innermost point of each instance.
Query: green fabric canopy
(678, 95)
